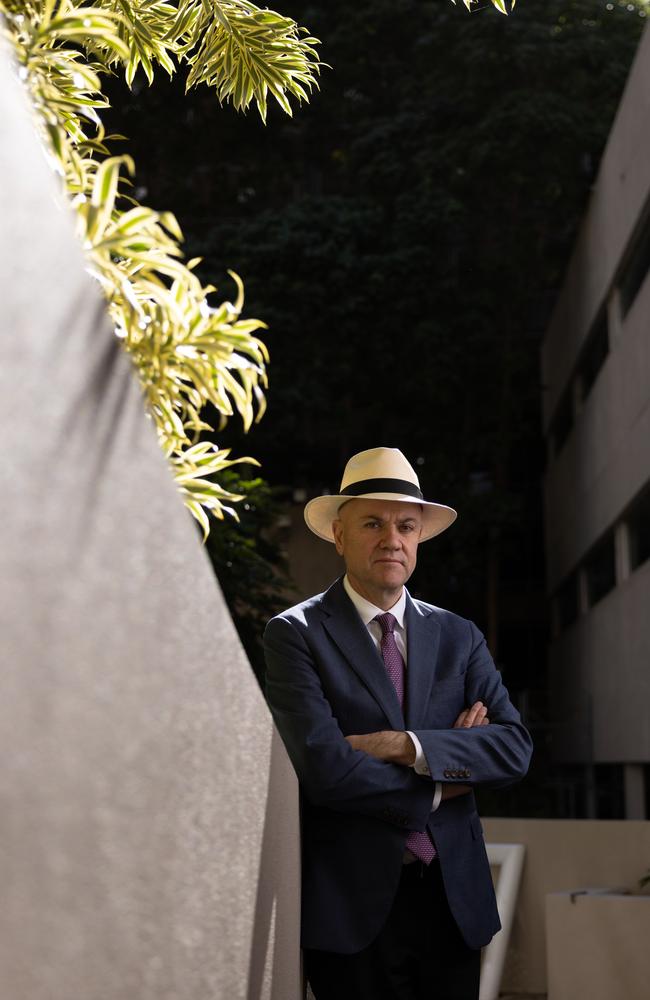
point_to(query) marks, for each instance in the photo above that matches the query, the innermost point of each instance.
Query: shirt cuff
(420, 765)
(437, 798)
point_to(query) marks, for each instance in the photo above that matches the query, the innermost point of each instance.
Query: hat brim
(322, 511)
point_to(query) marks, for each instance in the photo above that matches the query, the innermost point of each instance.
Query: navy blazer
(326, 680)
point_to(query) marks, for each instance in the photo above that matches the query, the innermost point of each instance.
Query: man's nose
(390, 538)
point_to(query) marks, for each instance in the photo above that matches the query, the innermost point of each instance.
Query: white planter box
(598, 945)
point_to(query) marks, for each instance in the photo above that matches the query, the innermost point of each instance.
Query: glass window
(635, 269)
(594, 354)
(638, 521)
(600, 569)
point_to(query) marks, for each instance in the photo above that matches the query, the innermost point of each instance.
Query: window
(635, 269)
(600, 569)
(566, 601)
(594, 353)
(592, 359)
(638, 521)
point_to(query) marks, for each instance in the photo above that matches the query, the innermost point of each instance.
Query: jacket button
(446, 773)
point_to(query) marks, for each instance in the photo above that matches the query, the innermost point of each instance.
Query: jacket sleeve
(493, 755)
(331, 773)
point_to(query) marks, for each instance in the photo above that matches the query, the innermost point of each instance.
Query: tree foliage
(187, 351)
(250, 562)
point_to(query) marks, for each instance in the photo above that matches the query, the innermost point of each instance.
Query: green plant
(187, 352)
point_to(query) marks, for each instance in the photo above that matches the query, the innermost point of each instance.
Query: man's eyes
(404, 528)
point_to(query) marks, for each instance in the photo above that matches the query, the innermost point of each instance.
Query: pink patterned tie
(417, 843)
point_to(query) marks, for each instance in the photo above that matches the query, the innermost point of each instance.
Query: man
(391, 711)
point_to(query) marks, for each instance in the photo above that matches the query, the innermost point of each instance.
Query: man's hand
(391, 746)
(471, 717)
(397, 748)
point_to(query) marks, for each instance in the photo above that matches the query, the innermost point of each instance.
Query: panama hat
(378, 474)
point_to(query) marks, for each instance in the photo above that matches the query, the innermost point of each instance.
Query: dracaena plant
(187, 351)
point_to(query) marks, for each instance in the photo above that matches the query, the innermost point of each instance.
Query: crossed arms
(397, 748)
(344, 774)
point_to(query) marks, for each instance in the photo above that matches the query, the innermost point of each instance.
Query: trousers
(418, 955)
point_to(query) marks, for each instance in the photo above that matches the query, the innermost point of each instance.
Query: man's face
(378, 540)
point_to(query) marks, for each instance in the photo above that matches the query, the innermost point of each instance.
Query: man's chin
(391, 576)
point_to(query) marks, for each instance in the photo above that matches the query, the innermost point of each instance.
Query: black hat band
(382, 486)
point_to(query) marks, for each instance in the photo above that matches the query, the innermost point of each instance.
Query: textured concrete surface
(148, 820)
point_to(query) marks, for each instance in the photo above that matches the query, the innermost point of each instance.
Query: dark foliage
(249, 562)
(405, 236)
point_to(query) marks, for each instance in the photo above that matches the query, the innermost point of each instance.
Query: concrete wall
(599, 681)
(148, 819)
(606, 459)
(563, 855)
(600, 667)
(620, 192)
(598, 946)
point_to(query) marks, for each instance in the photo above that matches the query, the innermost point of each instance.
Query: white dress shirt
(368, 612)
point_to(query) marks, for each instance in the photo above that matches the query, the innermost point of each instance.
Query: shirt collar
(368, 611)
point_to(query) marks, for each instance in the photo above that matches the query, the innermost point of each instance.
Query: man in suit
(392, 711)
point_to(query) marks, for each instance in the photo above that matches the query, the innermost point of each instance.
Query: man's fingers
(475, 715)
(472, 714)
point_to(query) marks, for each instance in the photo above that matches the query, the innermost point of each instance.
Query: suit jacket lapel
(351, 636)
(422, 641)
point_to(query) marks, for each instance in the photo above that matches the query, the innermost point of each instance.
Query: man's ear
(337, 529)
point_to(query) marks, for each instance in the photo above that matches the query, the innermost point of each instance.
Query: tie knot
(387, 623)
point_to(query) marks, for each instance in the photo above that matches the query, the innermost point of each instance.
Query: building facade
(596, 377)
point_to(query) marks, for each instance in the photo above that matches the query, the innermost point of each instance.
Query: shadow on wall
(275, 905)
